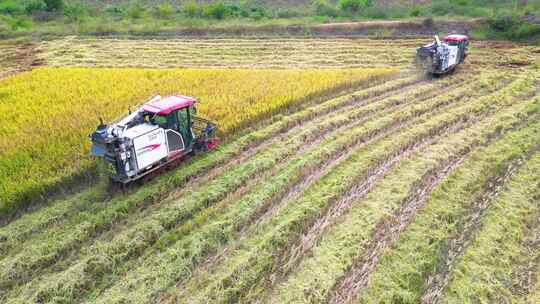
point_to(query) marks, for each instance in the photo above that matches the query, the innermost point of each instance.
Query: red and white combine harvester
(439, 58)
(159, 134)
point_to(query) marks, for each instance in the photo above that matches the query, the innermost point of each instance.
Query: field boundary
(377, 29)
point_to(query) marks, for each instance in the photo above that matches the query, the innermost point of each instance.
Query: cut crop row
(388, 232)
(334, 253)
(496, 265)
(404, 269)
(254, 258)
(258, 53)
(468, 226)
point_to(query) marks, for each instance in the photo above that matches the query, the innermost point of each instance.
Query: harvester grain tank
(161, 132)
(442, 57)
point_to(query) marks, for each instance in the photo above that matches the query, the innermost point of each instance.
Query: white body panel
(452, 55)
(149, 144)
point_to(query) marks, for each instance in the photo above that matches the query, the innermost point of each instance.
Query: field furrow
(269, 242)
(330, 258)
(468, 226)
(421, 246)
(505, 248)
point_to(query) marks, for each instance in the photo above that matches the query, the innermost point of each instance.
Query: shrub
(377, 13)
(75, 11)
(192, 9)
(323, 8)
(502, 22)
(18, 22)
(217, 10)
(257, 12)
(513, 27)
(54, 5)
(236, 11)
(136, 11)
(115, 9)
(416, 11)
(461, 2)
(164, 11)
(354, 6)
(287, 13)
(11, 7)
(35, 6)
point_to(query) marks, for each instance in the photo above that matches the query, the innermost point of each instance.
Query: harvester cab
(161, 132)
(442, 57)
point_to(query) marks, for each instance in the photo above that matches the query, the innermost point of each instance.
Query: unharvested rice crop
(49, 112)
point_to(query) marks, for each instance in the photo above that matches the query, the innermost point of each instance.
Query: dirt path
(16, 58)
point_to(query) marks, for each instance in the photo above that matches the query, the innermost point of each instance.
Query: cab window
(159, 120)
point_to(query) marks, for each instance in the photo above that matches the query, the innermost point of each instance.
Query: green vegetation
(506, 19)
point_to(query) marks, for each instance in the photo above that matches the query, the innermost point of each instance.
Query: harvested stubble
(270, 52)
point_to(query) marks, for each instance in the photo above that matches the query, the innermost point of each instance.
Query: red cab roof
(166, 105)
(455, 38)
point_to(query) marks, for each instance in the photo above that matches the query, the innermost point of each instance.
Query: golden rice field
(357, 186)
(50, 111)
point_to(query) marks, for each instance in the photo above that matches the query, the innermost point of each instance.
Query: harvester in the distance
(439, 58)
(158, 135)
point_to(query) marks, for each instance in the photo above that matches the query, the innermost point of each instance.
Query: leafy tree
(54, 5)
(35, 6)
(164, 11)
(217, 10)
(323, 8)
(10, 7)
(191, 9)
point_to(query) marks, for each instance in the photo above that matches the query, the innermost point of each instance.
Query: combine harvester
(157, 136)
(438, 58)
